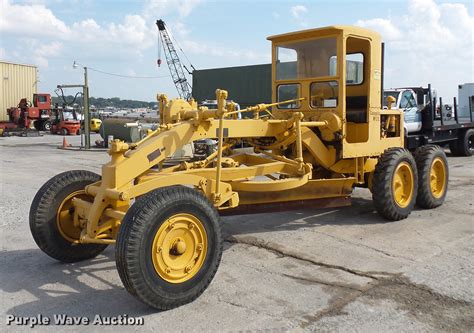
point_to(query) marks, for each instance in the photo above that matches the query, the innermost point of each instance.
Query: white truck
(407, 99)
(427, 122)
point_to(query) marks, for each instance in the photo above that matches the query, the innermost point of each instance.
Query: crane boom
(174, 64)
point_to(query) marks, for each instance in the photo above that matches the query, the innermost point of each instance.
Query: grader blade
(275, 207)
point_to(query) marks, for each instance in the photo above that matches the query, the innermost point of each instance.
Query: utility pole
(85, 99)
(86, 111)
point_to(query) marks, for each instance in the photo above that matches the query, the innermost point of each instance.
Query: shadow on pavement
(85, 288)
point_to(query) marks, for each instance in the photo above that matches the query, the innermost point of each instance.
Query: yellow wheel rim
(403, 184)
(65, 217)
(179, 248)
(438, 177)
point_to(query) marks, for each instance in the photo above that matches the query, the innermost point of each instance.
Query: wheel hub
(403, 184)
(437, 177)
(65, 217)
(179, 248)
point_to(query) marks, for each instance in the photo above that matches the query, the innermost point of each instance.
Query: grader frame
(235, 178)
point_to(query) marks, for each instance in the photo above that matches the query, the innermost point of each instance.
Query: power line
(128, 76)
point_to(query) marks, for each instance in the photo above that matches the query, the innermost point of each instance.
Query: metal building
(247, 85)
(17, 81)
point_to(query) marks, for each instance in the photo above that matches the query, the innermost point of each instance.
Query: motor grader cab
(324, 133)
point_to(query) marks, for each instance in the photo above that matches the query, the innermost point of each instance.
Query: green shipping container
(247, 85)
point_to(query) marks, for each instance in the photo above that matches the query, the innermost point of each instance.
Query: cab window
(408, 100)
(354, 68)
(305, 59)
(324, 94)
(42, 99)
(287, 92)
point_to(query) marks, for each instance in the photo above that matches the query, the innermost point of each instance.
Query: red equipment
(65, 122)
(26, 116)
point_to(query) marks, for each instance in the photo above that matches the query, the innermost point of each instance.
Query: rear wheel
(37, 124)
(51, 217)
(464, 145)
(433, 175)
(169, 247)
(394, 184)
(46, 126)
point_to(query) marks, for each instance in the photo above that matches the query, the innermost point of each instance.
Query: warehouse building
(17, 81)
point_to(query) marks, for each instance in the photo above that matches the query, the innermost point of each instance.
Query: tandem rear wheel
(401, 180)
(395, 184)
(433, 176)
(169, 247)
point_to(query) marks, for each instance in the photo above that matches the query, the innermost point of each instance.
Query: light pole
(85, 98)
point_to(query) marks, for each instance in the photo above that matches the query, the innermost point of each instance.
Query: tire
(44, 225)
(46, 126)
(396, 165)
(432, 166)
(64, 131)
(464, 146)
(139, 238)
(37, 124)
(453, 147)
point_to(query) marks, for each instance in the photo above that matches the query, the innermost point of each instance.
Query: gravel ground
(307, 270)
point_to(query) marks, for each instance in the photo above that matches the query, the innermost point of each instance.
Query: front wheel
(394, 184)
(52, 217)
(64, 131)
(169, 247)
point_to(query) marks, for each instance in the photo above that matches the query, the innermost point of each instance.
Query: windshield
(394, 94)
(306, 59)
(68, 115)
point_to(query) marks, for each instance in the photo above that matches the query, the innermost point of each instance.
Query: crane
(174, 64)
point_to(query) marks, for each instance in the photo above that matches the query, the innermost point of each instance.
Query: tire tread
(40, 226)
(132, 231)
(382, 184)
(424, 156)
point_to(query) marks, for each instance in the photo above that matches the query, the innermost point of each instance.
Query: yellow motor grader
(324, 133)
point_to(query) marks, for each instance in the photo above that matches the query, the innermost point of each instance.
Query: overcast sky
(426, 41)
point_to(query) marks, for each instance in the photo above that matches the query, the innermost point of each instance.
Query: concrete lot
(327, 270)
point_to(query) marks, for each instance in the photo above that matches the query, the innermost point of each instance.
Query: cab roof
(325, 31)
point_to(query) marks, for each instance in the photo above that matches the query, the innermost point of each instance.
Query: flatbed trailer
(456, 131)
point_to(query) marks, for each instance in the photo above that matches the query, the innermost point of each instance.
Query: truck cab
(407, 101)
